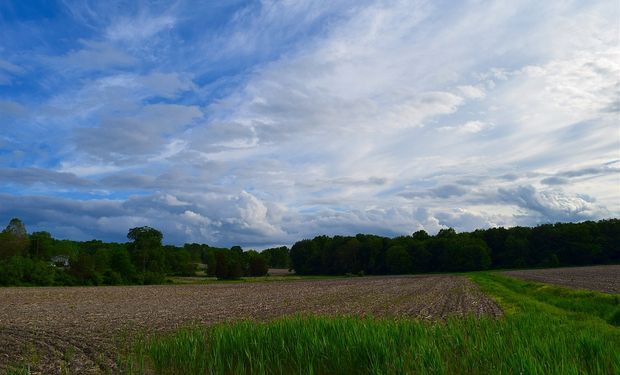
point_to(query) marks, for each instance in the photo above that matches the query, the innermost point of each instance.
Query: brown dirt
(78, 328)
(601, 278)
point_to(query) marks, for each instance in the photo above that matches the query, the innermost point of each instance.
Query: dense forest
(39, 259)
(548, 245)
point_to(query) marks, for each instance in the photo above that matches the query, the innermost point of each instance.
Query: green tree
(83, 268)
(229, 265)
(41, 245)
(277, 257)
(14, 240)
(146, 248)
(420, 235)
(420, 256)
(257, 264)
(120, 263)
(516, 251)
(398, 260)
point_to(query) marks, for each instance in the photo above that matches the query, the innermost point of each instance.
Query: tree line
(548, 245)
(39, 259)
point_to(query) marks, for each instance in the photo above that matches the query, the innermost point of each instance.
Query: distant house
(61, 261)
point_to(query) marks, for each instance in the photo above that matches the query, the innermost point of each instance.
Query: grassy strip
(547, 330)
(530, 297)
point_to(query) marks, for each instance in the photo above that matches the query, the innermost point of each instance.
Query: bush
(257, 265)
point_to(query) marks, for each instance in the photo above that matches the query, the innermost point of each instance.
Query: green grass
(532, 297)
(17, 371)
(546, 330)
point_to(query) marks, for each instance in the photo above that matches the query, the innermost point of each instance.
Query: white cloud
(94, 56)
(8, 71)
(343, 118)
(127, 136)
(472, 92)
(136, 29)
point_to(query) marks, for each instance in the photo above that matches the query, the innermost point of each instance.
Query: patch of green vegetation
(527, 297)
(23, 370)
(547, 330)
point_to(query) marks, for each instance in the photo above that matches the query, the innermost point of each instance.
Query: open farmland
(79, 328)
(601, 278)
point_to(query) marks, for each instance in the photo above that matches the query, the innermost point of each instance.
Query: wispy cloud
(261, 123)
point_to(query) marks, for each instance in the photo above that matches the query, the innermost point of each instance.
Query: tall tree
(146, 248)
(14, 240)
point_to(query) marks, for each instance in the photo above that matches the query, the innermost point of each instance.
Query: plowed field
(601, 278)
(78, 328)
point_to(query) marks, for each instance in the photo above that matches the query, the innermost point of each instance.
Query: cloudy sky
(263, 122)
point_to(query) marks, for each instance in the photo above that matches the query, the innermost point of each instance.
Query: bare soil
(80, 328)
(601, 278)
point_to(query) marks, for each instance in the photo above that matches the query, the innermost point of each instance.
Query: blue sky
(261, 123)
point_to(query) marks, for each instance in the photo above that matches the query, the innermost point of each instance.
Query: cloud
(29, 176)
(128, 181)
(266, 122)
(94, 55)
(136, 29)
(120, 138)
(8, 71)
(554, 181)
(470, 127)
(442, 192)
(472, 92)
(552, 205)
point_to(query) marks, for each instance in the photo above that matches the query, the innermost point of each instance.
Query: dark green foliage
(257, 264)
(277, 257)
(120, 263)
(233, 263)
(41, 245)
(83, 268)
(14, 240)
(20, 270)
(420, 256)
(26, 260)
(398, 260)
(229, 264)
(145, 249)
(112, 278)
(549, 245)
(179, 261)
(42, 260)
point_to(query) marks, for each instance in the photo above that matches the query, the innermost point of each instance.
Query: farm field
(545, 330)
(601, 278)
(79, 329)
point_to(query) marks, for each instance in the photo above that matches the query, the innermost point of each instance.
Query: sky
(260, 123)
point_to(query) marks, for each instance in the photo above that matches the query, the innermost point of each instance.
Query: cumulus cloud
(552, 205)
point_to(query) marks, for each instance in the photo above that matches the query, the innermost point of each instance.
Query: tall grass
(535, 337)
(529, 297)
